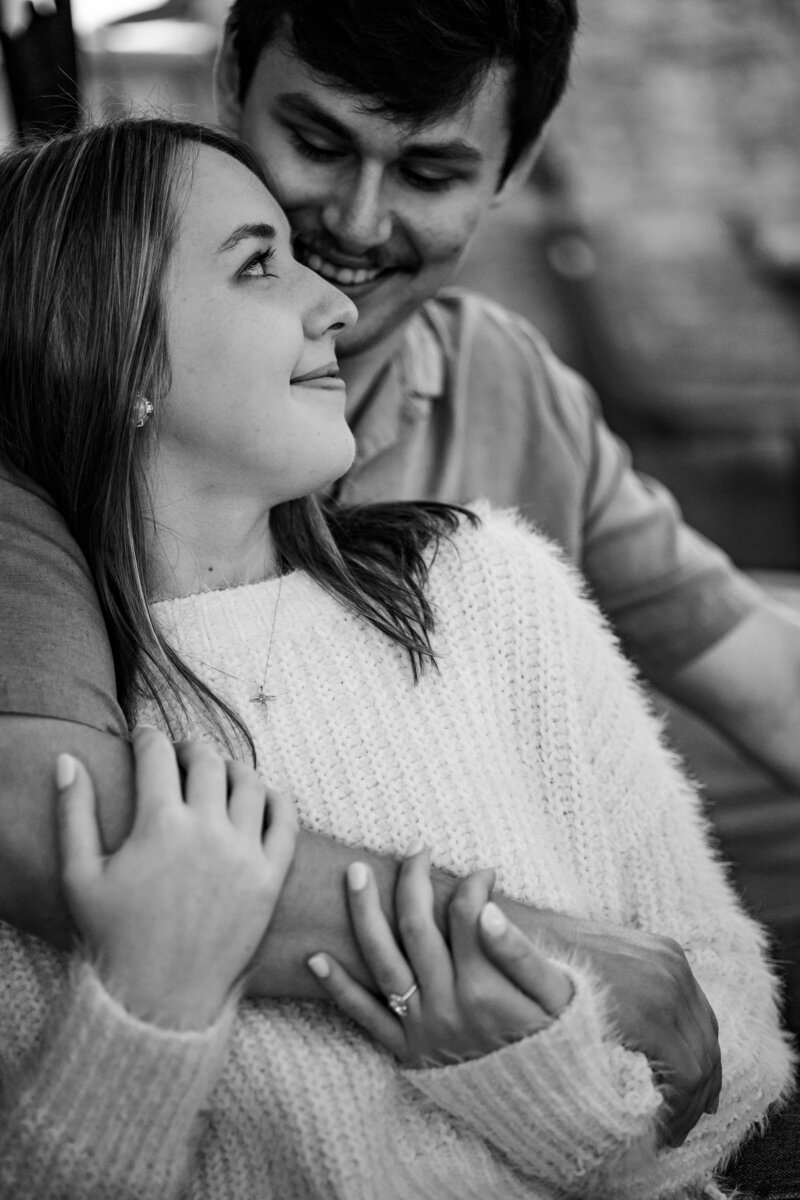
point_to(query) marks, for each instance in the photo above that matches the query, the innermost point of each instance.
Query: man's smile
(344, 270)
(341, 276)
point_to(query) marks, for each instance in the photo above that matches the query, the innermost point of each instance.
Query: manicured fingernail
(493, 921)
(319, 966)
(414, 847)
(66, 770)
(357, 877)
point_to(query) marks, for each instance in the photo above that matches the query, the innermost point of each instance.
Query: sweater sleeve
(562, 1104)
(108, 1109)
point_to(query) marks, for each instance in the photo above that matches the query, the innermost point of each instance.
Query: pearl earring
(142, 410)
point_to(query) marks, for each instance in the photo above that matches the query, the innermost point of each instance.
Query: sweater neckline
(304, 605)
(262, 588)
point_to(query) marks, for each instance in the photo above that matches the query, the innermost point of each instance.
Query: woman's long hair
(87, 224)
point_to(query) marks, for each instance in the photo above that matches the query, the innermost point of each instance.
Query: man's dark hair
(422, 59)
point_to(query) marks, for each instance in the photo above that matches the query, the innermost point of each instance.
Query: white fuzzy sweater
(531, 750)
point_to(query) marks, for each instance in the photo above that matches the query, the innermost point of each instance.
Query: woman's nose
(329, 310)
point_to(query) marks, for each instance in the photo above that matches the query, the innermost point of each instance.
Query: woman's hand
(489, 987)
(173, 919)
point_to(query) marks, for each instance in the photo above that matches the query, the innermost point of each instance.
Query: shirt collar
(421, 360)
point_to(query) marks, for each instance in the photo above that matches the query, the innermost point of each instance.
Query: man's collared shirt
(473, 405)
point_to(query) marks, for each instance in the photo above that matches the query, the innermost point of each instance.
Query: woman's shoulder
(502, 569)
(502, 543)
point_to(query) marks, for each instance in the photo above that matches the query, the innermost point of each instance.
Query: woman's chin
(346, 456)
(337, 462)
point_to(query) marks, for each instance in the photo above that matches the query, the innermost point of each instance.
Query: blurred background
(658, 248)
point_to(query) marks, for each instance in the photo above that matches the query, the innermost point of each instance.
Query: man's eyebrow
(303, 106)
(451, 150)
(242, 232)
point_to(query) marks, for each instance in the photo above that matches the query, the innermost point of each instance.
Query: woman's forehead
(223, 194)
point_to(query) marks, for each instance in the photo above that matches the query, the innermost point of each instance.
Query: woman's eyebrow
(241, 232)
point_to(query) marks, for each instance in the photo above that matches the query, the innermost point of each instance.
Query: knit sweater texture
(531, 750)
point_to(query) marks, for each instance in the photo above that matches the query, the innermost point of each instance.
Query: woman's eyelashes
(256, 266)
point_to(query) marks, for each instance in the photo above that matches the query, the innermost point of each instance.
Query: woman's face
(255, 408)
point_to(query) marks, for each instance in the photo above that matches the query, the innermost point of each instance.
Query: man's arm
(748, 686)
(312, 909)
(697, 627)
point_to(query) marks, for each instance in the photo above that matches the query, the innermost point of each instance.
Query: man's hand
(657, 1004)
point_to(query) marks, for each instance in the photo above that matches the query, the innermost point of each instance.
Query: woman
(171, 381)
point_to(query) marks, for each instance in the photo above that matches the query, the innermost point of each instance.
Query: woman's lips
(324, 377)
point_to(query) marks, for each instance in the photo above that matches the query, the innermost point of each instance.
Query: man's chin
(380, 317)
(373, 332)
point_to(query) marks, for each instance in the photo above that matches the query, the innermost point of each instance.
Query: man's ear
(226, 84)
(519, 174)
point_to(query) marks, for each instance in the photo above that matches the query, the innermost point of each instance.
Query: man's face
(381, 209)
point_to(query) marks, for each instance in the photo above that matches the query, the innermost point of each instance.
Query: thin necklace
(262, 696)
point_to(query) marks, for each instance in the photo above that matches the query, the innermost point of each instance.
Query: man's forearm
(312, 915)
(312, 912)
(748, 687)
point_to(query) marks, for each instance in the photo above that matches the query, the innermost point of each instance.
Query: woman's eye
(257, 266)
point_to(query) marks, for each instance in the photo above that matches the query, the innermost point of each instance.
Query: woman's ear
(226, 84)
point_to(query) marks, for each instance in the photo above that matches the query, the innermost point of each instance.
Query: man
(463, 400)
(388, 133)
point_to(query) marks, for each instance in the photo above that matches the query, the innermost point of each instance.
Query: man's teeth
(344, 276)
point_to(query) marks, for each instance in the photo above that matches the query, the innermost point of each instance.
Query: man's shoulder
(18, 489)
(495, 358)
(55, 659)
(30, 521)
(465, 319)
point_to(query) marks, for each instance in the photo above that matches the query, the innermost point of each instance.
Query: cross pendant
(262, 697)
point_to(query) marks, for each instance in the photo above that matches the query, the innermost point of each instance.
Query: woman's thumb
(79, 836)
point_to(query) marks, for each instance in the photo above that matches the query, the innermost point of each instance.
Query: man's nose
(358, 216)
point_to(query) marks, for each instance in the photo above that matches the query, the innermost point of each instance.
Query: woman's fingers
(280, 839)
(462, 918)
(158, 780)
(425, 948)
(359, 1004)
(247, 800)
(373, 935)
(522, 963)
(205, 788)
(79, 836)
(504, 1009)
